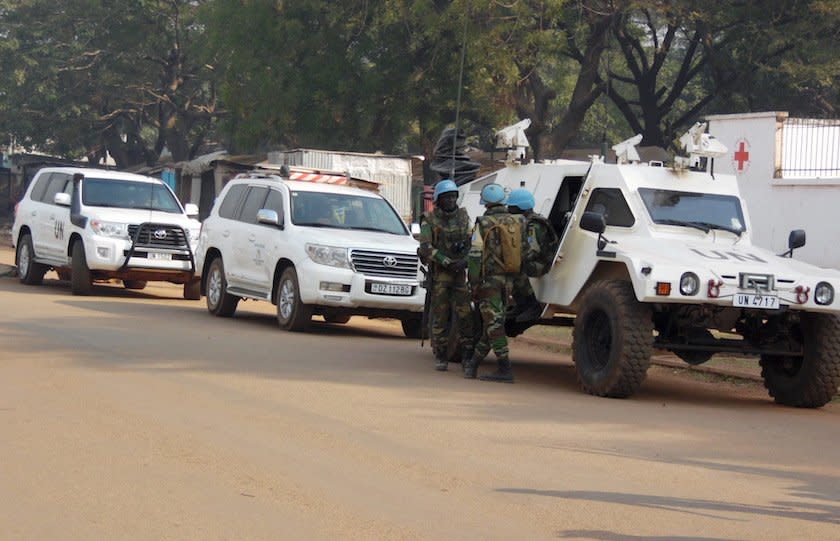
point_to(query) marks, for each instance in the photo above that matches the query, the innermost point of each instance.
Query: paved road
(137, 415)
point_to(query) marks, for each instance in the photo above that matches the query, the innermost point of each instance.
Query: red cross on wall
(742, 156)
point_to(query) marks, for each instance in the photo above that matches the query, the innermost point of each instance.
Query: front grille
(385, 264)
(762, 282)
(151, 235)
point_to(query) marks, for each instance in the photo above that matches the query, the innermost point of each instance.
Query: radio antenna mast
(458, 101)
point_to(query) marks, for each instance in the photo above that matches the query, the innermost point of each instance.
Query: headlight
(328, 255)
(110, 229)
(689, 284)
(824, 293)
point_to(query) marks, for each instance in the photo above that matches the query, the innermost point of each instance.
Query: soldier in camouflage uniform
(491, 282)
(444, 242)
(537, 257)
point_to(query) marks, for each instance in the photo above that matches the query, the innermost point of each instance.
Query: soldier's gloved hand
(458, 266)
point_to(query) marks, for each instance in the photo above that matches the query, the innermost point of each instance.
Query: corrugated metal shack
(392, 173)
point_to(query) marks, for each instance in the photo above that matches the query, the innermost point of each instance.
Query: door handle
(252, 237)
(226, 233)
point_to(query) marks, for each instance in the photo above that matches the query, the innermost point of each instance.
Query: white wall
(777, 205)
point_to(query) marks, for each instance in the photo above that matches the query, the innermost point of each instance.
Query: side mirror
(269, 217)
(593, 221)
(191, 209)
(62, 199)
(415, 230)
(796, 239)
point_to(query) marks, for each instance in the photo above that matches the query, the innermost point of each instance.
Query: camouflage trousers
(450, 295)
(491, 298)
(522, 290)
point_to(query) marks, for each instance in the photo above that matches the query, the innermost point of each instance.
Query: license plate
(752, 300)
(159, 256)
(390, 289)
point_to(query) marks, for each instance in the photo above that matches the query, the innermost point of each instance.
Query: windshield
(343, 211)
(127, 194)
(691, 209)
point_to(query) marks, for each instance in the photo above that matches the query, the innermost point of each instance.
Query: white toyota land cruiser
(311, 249)
(94, 224)
(661, 257)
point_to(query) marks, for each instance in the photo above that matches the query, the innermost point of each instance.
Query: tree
(118, 76)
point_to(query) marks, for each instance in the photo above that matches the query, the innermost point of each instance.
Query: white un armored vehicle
(655, 256)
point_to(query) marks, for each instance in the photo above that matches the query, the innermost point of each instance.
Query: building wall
(778, 205)
(393, 173)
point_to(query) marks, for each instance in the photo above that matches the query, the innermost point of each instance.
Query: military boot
(503, 374)
(442, 362)
(471, 367)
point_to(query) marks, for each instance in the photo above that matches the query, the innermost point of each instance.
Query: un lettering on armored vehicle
(656, 256)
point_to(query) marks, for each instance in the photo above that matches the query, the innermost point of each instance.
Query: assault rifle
(428, 283)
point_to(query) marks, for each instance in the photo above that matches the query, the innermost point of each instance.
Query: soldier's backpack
(507, 231)
(539, 261)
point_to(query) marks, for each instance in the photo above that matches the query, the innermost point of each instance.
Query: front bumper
(343, 288)
(110, 254)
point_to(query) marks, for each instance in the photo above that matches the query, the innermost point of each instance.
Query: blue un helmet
(521, 199)
(442, 187)
(492, 194)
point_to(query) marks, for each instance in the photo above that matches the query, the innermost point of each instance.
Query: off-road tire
(134, 284)
(30, 272)
(412, 326)
(81, 282)
(219, 302)
(292, 314)
(810, 381)
(192, 290)
(612, 340)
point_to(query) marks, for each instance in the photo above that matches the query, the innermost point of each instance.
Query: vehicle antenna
(458, 100)
(606, 101)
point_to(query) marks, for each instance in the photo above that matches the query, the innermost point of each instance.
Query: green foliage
(133, 76)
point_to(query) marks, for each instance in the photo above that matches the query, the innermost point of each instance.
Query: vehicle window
(231, 201)
(611, 203)
(566, 198)
(97, 192)
(58, 183)
(693, 209)
(41, 187)
(345, 211)
(274, 201)
(253, 202)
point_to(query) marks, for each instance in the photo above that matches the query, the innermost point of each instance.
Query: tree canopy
(132, 77)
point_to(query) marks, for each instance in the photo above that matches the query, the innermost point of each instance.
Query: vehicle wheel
(219, 301)
(29, 272)
(809, 381)
(337, 319)
(412, 326)
(292, 314)
(80, 279)
(612, 340)
(192, 290)
(134, 284)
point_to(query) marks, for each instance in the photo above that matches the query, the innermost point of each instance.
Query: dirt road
(137, 415)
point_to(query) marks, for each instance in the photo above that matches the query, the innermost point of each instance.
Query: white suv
(93, 224)
(311, 249)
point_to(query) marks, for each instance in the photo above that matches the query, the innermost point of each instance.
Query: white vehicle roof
(308, 186)
(101, 173)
